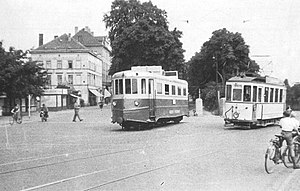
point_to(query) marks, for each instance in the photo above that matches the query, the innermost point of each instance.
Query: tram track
(66, 157)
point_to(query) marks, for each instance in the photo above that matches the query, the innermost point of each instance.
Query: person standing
(76, 110)
(44, 112)
(287, 125)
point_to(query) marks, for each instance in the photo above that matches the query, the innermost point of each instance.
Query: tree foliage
(20, 77)
(140, 36)
(223, 56)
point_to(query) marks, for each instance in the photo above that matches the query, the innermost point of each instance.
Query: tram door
(151, 99)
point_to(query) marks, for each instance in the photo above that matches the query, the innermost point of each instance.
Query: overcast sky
(270, 27)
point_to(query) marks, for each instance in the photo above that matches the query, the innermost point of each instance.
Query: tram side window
(259, 94)
(179, 90)
(276, 95)
(121, 86)
(159, 88)
(116, 87)
(266, 95)
(272, 95)
(143, 86)
(280, 95)
(228, 92)
(247, 93)
(173, 90)
(167, 89)
(184, 91)
(127, 86)
(254, 99)
(237, 95)
(134, 86)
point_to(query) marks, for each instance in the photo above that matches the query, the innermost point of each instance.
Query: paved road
(197, 154)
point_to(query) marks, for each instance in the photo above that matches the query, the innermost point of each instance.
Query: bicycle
(15, 118)
(288, 160)
(274, 156)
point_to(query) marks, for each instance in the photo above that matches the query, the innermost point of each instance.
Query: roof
(64, 43)
(259, 79)
(87, 39)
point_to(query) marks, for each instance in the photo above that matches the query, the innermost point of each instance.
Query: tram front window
(228, 92)
(237, 95)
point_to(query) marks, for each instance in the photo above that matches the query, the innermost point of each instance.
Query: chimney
(69, 37)
(55, 37)
(76, 30)
(41, 40)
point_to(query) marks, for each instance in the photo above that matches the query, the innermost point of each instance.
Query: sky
(271, 28)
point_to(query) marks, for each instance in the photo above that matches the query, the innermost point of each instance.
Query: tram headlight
(114, 103)
(136, 103)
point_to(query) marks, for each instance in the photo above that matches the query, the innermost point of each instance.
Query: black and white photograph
(154, 95)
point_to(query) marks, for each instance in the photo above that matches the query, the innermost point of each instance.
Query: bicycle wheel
(11, 120)
(19, 120)
(297, 152)
(270, 163)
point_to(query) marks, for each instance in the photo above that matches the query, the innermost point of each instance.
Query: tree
(223, 56)
(19, 76)
(140, 36)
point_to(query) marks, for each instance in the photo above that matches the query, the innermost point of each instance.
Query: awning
(106, 93)
(95, 92)
(74, 96)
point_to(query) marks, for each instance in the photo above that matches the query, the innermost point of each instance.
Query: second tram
(254, 101)
(148, 95)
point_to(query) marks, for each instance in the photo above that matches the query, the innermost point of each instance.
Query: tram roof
(152, 71)
(259, 79)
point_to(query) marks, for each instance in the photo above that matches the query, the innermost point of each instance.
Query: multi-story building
(73, 68)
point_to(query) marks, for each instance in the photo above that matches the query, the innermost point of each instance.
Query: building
(73, 68)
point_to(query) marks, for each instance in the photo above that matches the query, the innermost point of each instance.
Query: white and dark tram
(253, 101)
(148, 95)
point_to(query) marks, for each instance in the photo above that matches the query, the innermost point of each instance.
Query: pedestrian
(101, 103)
(76, 110)
(287, 125)
(44, 111)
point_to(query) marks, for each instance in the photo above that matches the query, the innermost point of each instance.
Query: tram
(253, 101)
(148, 95)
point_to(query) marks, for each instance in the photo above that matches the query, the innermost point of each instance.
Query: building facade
(73, 70)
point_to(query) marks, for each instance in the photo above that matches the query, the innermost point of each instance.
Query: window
(59, 64)
(48, 64)
(184, 91)
(143, 86)
(48, 81)
(247, 93)
(121, 86)
(237, 95)
(167, 91)
(271, 95)
(266, 95)
(254, 98)
(127, 86)
(134, 86)
(159, 88)
(276, 95)
(173, 90)
(280, 95)
(70, 79)
(59, 79)
(70, 63)
(259, 94)
(228, 92)
(179, 90)
(116, 87)
(150, 86)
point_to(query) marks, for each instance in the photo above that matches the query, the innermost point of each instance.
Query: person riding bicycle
(288, 125)
(16, 112)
